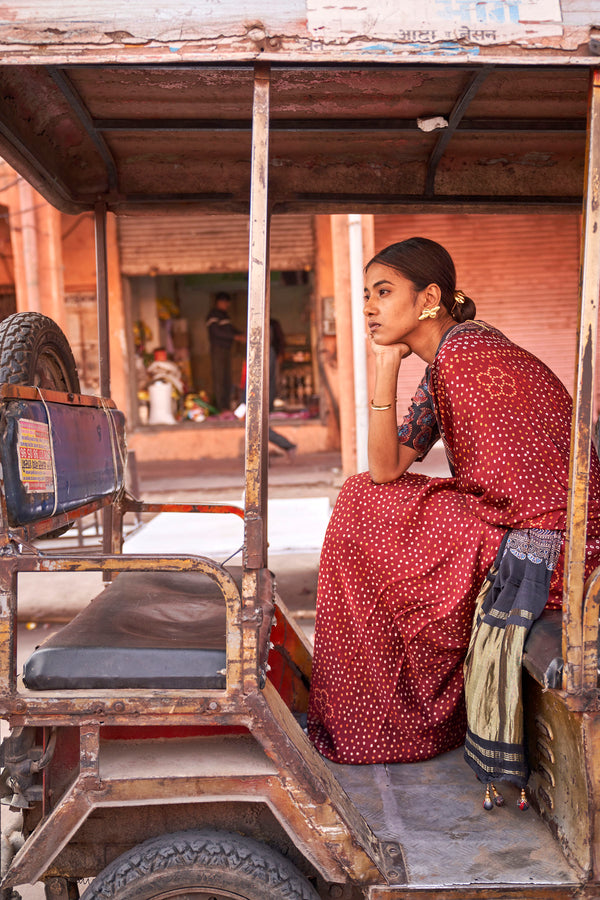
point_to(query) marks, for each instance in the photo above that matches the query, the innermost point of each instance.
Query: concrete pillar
(340, 255)
(35, 235)
(343, 315)
(119, 344)
(326, 340)
(368, 228)
(26, 225)
(13, 197)
(50, 263)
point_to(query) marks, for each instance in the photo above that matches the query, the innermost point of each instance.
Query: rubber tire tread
(22, 337)
(203, 858)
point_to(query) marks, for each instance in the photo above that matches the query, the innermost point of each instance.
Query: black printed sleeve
(419, 428)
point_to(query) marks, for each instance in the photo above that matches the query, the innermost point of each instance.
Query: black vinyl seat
(542, 654)
(145, 630)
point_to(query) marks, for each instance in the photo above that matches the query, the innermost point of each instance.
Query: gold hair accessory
(459, 299)
(389, 405)
(429, 313)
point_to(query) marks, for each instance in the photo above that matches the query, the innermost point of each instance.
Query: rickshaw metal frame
(580, 627)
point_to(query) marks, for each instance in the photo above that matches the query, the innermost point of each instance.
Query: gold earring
(429, 313)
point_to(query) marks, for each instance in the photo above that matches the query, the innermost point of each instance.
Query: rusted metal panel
(313, 791)
(591, 725)
(581, 433)
(18, 392)
(560, 786)
(172, 135)
(188, 243)
(310, 805)
(8, 629)
(481, 892)
(589, 681)
(290, 660)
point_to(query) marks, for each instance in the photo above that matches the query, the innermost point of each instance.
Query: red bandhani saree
(403, 562)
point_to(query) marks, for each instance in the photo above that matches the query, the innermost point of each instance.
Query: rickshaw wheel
(35, 352)
(207, 865)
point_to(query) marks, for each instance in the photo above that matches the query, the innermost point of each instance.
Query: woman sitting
(405, 556)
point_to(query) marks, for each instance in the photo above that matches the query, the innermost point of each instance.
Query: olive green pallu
(512, 597)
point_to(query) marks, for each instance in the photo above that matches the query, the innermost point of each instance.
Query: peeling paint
(336, 29)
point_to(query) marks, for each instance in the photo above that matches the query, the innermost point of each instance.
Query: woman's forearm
(387, 458)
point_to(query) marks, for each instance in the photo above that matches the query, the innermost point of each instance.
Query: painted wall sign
(432, 21)
(35, 457)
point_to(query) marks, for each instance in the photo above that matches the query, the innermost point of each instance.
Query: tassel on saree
(498, 799)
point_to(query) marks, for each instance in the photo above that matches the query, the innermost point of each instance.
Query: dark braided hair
(425, 262)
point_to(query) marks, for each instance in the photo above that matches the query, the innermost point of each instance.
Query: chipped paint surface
(348, 30)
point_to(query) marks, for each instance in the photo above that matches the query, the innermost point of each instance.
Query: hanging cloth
(512, 597)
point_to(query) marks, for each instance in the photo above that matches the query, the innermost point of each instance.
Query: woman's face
(391, 305)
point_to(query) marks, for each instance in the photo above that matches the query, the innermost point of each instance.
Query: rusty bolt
(256, 33)
(393, 873)
(119, 706)
(55, 886)
(336, 891)
(213, 705)
(20, 705)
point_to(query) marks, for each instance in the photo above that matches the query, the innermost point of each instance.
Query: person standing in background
(222, 333)
(276, 350)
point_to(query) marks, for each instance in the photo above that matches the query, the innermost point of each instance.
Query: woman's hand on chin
(399, 351)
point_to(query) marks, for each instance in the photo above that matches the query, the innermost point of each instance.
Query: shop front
(173, 270)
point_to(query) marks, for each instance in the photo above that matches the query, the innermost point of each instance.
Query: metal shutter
(186, 243)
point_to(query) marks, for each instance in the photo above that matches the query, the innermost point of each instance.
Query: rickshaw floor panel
(434, 809)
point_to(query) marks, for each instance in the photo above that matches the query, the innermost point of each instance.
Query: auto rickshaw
(156, 765)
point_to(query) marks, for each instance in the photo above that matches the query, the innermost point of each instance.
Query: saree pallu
(512, 597)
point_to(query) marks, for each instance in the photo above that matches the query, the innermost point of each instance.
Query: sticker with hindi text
(35, 457)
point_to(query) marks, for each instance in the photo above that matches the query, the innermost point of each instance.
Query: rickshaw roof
(361, 137)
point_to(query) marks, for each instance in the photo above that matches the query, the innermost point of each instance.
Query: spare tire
(35, 352)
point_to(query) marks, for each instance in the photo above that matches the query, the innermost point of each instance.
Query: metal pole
(355, 240)
(103, 345)
(581, 430)
(257, 378)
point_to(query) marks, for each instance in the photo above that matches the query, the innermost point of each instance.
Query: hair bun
(463, 307)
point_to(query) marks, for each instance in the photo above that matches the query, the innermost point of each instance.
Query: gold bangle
(389, 406)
